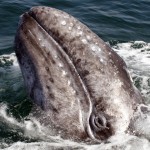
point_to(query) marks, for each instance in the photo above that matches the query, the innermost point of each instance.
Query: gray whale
(81, 87)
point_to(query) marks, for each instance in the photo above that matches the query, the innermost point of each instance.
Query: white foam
(30, 128)
(45, 146)
(142, 122)
(9, 58)
(137, 57)
(118, 142)
(4, 116)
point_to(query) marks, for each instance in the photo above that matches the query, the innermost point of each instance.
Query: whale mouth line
(88, 127)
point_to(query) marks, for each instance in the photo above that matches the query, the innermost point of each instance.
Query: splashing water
(137, 56)
(25, 133)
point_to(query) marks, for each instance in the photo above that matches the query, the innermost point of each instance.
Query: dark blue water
(111, 20)
(114, 21)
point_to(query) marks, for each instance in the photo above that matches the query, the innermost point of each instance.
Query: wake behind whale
(81, 86)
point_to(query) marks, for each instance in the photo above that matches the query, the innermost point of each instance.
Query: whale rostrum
(80, 86)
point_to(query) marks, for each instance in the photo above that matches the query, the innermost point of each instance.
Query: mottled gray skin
(80, 85)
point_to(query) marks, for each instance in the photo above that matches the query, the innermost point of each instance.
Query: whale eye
(98, 122)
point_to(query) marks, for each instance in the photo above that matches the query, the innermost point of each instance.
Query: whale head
(80, 86)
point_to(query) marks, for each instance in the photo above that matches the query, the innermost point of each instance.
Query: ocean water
(124, 25)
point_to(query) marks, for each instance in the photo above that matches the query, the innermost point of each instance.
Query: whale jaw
(81, 86)
(52, 80)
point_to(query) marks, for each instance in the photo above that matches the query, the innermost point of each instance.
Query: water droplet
(63, 23)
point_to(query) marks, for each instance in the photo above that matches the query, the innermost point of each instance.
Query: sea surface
(123, 24)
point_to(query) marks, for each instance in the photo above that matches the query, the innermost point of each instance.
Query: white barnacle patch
(79, 27)
(60, 65)
(88, 37)
(79, 33)
(95, 48)
(71, 24)
(64, 73)
(42, 45)
(70, 28)
(73, 91)
(118, 82)
(84, 41)
(101, 60)
(69, 82)
(63, 23)
(56, 14)
(56, 56)
(66, 16)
